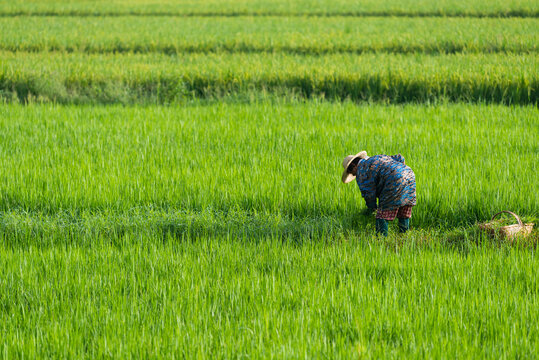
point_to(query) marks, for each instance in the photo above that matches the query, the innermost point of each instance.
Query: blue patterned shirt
(388, 179)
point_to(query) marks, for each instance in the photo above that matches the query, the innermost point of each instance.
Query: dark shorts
(404, 212)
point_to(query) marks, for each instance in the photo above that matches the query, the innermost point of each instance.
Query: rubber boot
(404, 225)
(381, 227)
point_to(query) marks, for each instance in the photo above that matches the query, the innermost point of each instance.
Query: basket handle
(512, 213)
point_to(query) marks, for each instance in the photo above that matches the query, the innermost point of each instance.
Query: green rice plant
(477, 8)
(157, 78)
(259, 170)
(225, 298)
(177, 35)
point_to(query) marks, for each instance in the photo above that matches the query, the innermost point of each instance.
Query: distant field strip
(516, 13)
(421, 8)
(176, 35)
(80, 78)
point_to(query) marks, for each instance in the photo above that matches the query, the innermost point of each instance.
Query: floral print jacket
(388, 179)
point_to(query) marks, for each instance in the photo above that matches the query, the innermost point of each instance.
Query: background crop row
(176, 35)
(481, 8)
(79, 78)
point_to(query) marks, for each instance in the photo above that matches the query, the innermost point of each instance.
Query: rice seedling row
(226, 298)
(79, 78)
(475, 8)
(173, 35)
(72, 173)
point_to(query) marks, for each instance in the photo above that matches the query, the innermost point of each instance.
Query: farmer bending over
(388, 179)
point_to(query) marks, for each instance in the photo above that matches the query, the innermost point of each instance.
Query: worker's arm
(368, 188)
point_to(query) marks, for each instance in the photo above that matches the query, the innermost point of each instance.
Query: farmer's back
(388, 179)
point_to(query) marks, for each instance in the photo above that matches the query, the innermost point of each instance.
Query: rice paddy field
(170, 183)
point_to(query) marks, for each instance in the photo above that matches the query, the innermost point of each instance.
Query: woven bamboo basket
(509, 231)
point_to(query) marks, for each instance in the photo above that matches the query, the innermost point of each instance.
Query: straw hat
(346, 177)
